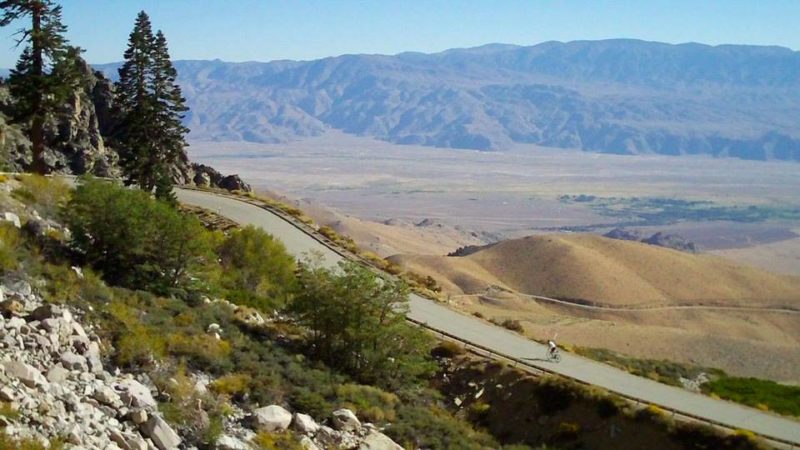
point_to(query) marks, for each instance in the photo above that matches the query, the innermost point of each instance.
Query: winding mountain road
(505, 342)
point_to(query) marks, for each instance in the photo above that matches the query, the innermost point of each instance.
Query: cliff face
(74, 137)
(78, 138)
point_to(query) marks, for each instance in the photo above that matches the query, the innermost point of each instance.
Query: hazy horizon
(267, 31)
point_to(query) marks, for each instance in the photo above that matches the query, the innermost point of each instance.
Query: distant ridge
(612, 96)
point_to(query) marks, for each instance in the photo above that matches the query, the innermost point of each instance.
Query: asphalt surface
(503, 341)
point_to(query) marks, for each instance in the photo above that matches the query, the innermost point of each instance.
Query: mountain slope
(616, 96)
(598, 269)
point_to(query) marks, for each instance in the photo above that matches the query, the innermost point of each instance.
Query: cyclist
(553, 349)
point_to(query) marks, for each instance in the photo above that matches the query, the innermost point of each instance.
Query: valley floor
(406, 199)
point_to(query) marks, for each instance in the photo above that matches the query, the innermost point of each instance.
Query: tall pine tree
(46, 74)
(152, 106)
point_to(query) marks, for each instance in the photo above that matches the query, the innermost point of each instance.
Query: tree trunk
(37, 124)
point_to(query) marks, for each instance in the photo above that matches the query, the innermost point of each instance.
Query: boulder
(376, 440)
(346, 420)
(13, 218)
(20, 288)
(46, 312)
(107, 396)
(135, 394)
(71, 361)
(234, 183)
(25, 373)
(57, 374)
(11, 307)
(139, 416)
(161, 433)
(305, 424)
(271, 418)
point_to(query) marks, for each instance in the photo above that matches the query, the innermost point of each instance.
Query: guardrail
(477, 348)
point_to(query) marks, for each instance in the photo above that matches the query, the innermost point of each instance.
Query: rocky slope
(613, 96)
(55, 385)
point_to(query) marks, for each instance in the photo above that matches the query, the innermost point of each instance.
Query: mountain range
(611, 96)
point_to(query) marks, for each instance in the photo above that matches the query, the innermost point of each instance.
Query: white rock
(161, 433)
(72, 361)
(106, 395)
(136, 394)
(15, 323)
(139, 416)
(305, 424)
(25, 373)
(345, 420)
(21, 288)
(214, 328)
(6, 394)
(376, 440)
(57, 374)
(271, 418)
(226, 442)
(78, 271)
(308, 444)
(13, 218)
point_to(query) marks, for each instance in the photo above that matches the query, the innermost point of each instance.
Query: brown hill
(608, 271)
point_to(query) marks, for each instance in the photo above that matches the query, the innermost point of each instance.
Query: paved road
(503, 341)
(640, 309)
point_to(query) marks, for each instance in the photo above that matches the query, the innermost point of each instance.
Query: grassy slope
(609, 271)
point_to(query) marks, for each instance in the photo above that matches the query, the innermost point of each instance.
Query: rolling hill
(601, 270)
(612, 96)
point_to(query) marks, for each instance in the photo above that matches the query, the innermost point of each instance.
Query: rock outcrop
(205, 176)
(672, 241)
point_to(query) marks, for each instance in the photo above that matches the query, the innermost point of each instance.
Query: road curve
(505, 342)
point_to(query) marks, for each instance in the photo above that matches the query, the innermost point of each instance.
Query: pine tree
(171, 107)
(152, 108)
(164, 190)
(45, 76)
(136, 106)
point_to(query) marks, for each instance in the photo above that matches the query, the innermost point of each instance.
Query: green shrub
(368, 402)
(478, 411)
(235, 385)
(448, 349)
(45, 194)
(10, 247)
(256, 268)
(357, 324)
(311, 403)
(780, 398)
(276, 441)
(513, 325)
(135, 241)
(554, 394)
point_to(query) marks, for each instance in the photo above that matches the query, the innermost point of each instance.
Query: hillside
(613, 96)
(596, 269)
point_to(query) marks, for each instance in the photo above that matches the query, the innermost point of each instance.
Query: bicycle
(553, 355)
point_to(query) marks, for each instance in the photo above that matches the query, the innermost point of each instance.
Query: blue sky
(263, 30)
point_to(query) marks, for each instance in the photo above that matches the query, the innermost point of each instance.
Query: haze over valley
(613, 96)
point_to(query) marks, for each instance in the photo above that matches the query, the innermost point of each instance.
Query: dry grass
(607, 271)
